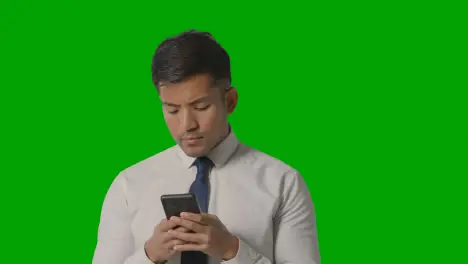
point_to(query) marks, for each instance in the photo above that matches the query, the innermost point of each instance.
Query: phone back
(174, 204)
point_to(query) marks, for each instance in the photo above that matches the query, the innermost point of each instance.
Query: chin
(194, 151)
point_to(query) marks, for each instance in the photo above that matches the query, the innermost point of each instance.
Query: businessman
(255, 208)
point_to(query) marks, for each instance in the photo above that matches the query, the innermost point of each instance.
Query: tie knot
(203, 164)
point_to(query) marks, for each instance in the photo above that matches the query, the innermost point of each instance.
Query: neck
(223, 137)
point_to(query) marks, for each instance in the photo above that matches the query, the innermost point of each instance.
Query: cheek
(172, 124)
(208, 120)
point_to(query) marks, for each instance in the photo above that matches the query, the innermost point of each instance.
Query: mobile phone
(174, 204)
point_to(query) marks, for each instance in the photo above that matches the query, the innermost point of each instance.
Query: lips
(192, 138)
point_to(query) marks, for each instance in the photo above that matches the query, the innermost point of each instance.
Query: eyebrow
(196, 101)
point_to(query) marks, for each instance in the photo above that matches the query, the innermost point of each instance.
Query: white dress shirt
(260, 199)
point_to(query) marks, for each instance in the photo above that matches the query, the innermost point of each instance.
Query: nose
(189, 122)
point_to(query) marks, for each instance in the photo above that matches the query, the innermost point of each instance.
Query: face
(196, 113)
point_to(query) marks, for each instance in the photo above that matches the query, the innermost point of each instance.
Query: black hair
(191, 53)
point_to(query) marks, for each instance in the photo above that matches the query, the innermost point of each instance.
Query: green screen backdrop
(365, 99)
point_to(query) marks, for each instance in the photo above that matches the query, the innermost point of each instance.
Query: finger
(190, 247)
(166, 237)
(192, 217)
(191, 225)
(175, 242)
(181, 229)
(167, 225)
(159, 225)
(203, 218)
(188, 237)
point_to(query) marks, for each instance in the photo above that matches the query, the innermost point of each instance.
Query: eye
(202, 107)
(172, 112)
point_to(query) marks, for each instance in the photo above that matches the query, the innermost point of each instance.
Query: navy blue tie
(200, 188)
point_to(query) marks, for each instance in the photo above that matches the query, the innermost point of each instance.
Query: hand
(209, 236)
(159, 247)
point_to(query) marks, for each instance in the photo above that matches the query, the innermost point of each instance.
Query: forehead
(190, 89)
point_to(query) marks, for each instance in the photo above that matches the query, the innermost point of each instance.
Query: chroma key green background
(366, 99)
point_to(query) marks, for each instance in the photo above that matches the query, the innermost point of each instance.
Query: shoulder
(265, 165)
(271, 176)
(151, 165)
(258, 158)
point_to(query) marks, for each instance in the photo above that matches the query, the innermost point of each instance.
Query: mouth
(192, 140)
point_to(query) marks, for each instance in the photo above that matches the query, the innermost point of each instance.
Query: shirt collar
(219, 155)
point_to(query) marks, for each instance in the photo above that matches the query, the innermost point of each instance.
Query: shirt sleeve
(247, 255)
(296, 240)
(115, 240)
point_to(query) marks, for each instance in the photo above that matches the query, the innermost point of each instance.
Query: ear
(231, 99)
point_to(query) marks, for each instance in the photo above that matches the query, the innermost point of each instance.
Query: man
(255, 208)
